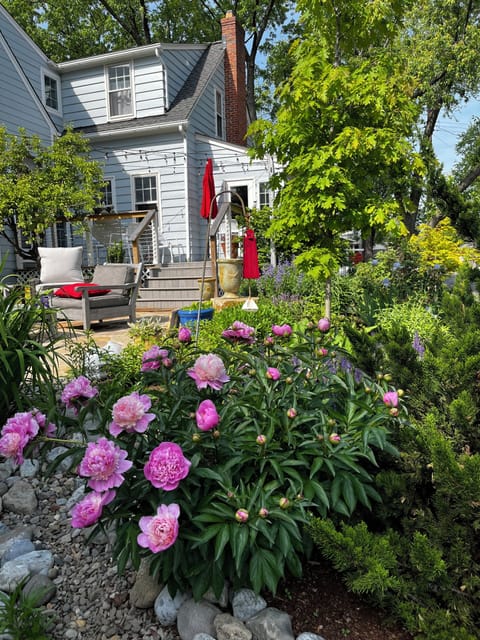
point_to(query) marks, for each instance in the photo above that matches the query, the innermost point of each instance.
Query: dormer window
(120, 101)
(50, 89)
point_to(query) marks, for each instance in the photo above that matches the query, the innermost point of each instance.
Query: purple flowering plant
(211, 464)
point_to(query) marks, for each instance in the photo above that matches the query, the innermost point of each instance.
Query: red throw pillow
(71, 291)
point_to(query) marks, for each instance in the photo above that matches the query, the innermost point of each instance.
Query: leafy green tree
(343, 133)
(439, 44)
(68, 30)
(40, 185)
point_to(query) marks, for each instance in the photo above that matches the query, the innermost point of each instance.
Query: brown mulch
(319, 603)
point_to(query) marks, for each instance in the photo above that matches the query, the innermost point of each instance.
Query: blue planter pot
(189, 317)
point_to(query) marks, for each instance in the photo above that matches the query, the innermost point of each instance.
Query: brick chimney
(235, 80)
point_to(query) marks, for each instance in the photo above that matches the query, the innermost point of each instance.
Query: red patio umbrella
(208, 193)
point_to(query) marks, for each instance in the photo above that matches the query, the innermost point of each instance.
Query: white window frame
(219, 97)
(111, 180)
(156, 229)
(263, 189)
(108, 91)
(46, 73)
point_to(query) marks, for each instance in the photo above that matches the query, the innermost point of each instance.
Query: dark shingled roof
(183, 103)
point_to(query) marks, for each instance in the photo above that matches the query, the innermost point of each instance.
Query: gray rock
(20, 498)
(201, 636)
(18, 548)
(230, 628)
(3, 487)
(53, 454)
(196, 617)
(246, 603)
(6, 469)
(29, 469)
(10, 536)
(271, 624)
(12, 576)
(309, 636)
(146, 587)
(222, 600)
(76, 496)
(166, 607)
(26, 565)
(40, 588)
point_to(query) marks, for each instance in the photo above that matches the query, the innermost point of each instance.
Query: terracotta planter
(230, 275)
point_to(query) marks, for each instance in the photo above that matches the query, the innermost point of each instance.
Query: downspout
(186, 182)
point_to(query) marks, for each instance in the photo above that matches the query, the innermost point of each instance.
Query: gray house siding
(179, 61)
(21, 65)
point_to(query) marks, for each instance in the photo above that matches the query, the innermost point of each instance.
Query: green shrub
(298, 432)
(28, 364)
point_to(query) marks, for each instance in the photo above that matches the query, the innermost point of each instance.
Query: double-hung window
(219, 114)
(145, 192)
(50, 88)
(120, 99)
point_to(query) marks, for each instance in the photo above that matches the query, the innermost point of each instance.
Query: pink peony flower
(166, 466)
(89, 509)
(390, 398)
(19, 430)
(153, 358)
(241, 515)
(207, 416)
(209, 371)
(77, 392)
(104, 463)
(283, 330)
(184, 335)
(324, 324)
(239, 332)
(130, 414)
(12, 446)
(23, 423)
(160, 531)
(273, 373)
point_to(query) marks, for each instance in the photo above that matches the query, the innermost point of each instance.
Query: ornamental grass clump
(210, 464)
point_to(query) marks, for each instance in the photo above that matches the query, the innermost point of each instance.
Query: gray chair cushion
(98, 302)
(113, 274)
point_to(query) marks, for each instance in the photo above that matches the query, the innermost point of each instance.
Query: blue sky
(448, 130)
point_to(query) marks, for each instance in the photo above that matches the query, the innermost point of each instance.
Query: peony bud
(323, 324)
(292, 412)
(320, 438)
(241, 515)
(273, 373)
(334, 438)
(322, 352)
(262, 512)
(390, 398)
(196, 437)
(284, 503)
(216, 434)
(261, 439)
(289, 380)
(393, 412)
(184, 335)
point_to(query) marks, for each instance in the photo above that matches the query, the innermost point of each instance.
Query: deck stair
(171, 286)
